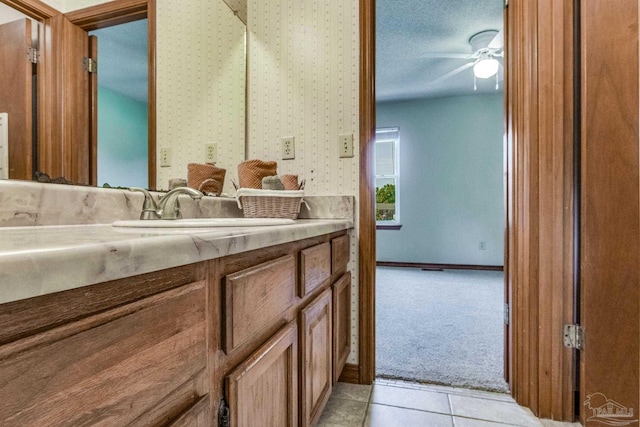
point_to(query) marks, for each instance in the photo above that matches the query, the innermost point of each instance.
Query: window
(387, 176)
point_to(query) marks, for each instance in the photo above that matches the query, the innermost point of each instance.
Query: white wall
(304, 82)
(451, 193)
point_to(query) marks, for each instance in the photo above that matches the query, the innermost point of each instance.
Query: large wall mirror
(192, 67)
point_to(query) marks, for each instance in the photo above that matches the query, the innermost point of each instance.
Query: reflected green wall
(451, 182)
(122, 140)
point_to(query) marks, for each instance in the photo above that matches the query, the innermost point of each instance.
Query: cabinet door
(111, 368)
(263, 390)
(316, 343)
(341, 324)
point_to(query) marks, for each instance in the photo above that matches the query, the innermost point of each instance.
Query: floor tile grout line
(470, 394)
(488, 421)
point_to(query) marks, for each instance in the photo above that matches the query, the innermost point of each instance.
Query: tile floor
(396, 403)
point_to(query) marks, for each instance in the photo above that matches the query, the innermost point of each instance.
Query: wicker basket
(269, 203)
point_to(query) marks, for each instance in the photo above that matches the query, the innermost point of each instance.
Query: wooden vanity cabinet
(137, 357)
(268, 330)
(258, 303)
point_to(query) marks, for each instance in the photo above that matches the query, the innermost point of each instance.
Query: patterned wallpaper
(200, 84)
(303, 82)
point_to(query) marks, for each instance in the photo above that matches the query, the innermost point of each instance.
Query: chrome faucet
(168, 207)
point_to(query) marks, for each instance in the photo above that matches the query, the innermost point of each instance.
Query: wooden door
(15, 95)
(263, 390)
(610, 213)
(316, 367)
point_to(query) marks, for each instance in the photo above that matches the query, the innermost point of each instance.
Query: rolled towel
(206, 177)
(290, 181)
(251, 172)
(272, 183)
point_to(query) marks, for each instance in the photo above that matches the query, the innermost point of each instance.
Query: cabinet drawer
(340, 251)
(315, 267)
(257, 298)
(110, 368)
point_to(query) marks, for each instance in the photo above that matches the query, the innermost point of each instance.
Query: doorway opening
(440, 194)
(122, 107)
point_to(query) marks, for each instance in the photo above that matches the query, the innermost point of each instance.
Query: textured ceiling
(407, 29)
(122, 59)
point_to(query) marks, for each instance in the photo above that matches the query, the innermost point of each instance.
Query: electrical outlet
(288, 148)
(483, 245)
(165, 157)
(345, 145)
(211, 153)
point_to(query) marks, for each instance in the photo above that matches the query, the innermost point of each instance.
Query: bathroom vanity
(100, 325)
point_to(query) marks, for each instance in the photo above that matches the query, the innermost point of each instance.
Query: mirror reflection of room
(18, 113)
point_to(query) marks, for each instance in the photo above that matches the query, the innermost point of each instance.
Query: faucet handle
(149, 207)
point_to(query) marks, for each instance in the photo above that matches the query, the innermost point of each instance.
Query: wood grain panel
(340, 251)
(610, 205)
(109, 368)
(199, 415)
(15, 95)
(265, 386)
(539, 107)
(366, 201)
(316, 371)
(341, 324)
(315, 267)
(27, 317)
(257, 298)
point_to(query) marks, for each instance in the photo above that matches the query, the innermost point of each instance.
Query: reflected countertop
(39, 260)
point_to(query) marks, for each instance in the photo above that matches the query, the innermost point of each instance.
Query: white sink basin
(203, 222)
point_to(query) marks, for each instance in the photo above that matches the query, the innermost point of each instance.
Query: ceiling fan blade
(451, 73)
(498, 41)
(445, 55)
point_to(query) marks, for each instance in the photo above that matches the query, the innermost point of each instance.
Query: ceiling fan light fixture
(485, 68)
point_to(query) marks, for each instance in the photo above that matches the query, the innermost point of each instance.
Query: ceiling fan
(486, 49)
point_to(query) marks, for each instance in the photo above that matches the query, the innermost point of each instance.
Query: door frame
(120, 12)
(540, 127)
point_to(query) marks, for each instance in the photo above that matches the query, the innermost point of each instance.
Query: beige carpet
(440, 327)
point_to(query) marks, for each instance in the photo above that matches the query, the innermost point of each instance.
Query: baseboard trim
(428, 266)
(350, 374)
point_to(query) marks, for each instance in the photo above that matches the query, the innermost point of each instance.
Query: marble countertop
(39, 260)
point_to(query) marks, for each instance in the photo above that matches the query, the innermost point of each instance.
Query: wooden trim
(151, 108)
(350, 374)
(108, 14)
(388, 227)
(32, 8)
(540, 251)
(429, 266)
(367, 225)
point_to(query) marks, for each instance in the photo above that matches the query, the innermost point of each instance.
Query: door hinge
(506, 4)
(574, 336)
(33, 55)
(90, 65)
(506, 314)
